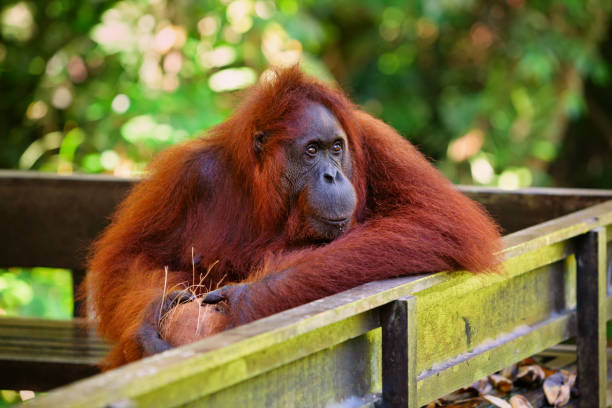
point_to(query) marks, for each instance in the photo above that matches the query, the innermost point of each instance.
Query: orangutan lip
(335, 221)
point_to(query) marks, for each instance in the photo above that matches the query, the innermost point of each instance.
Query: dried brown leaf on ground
(500, 382)
(548, 371)
(530, 375)
(557, 389)
(527, 361)
(571, 377)
(518, 401)
(461, 394)
(482, 386)
(467, 403)
(498, 402)
(509, 372)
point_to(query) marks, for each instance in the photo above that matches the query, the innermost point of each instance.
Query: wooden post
(591, 313)
(399, 341)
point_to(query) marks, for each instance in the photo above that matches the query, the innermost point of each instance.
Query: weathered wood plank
(50, 220)
(399, 353)
(457, 315)
(559, 229)
(74, 189)
(80, 205)
(204, 360)
(223, 372)
(499, 352)
(37, 375)
(523, 208)
(259, 359)
(44, 354)
(591, 312)
(347, 372)
(45, 330)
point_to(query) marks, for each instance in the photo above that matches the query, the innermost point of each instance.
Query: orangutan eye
(311, 150)
(337, 147)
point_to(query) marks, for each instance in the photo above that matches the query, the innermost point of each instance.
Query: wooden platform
(450, 328)
(40, 355)
(463, 326)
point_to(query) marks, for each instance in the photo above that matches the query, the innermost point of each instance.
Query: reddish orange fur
(216, 195)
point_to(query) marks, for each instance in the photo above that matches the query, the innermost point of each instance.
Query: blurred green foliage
(9, 398)
(53, 289)
(485, 88)
(505, 93)
(35, 292)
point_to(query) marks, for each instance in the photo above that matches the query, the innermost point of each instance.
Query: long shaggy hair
(223, 199)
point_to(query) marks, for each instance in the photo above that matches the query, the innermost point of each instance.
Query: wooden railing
(397, 342)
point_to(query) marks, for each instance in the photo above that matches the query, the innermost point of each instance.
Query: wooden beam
(40, 354)
(591, 310)
(330, 350)
(518, 209)
(399, 353)
(50, 220)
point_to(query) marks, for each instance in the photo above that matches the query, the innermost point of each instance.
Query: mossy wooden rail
(441, 331)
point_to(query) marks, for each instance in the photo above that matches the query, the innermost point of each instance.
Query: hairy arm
(418, 222)
(137, 259)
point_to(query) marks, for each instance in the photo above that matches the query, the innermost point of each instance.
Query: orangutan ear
(259, 139)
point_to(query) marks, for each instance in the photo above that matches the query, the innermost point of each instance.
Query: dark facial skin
(319, 172)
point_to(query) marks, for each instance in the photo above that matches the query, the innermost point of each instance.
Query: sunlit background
(505, 93)
(502, 93)
(490, 90)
